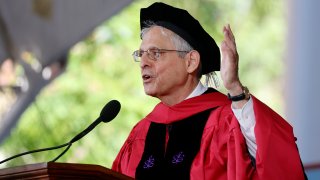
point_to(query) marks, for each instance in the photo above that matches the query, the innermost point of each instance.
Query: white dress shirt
(245, 116)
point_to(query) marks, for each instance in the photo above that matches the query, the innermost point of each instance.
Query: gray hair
(179, 43)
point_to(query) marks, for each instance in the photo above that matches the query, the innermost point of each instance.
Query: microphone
(108, 113)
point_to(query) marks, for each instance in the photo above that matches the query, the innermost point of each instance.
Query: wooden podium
(50, 170)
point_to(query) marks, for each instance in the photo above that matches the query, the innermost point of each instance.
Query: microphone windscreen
(110, 111)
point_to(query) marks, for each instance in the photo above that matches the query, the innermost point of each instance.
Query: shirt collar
(200, 89)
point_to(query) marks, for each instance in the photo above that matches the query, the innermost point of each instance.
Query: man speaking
(196, 132)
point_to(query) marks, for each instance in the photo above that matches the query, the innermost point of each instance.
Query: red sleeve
(130, 154)
(277, 154)
(223, 153)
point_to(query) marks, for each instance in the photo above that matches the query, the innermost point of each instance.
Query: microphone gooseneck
(108, 113)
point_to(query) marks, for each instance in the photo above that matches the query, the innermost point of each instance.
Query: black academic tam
(187, 27)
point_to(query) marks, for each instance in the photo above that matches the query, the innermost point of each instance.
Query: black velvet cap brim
(182, 23)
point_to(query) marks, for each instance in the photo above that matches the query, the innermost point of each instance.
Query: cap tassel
(212, 80)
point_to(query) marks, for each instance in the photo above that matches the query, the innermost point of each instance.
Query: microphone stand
(79, 136)
(69, 145)
(34, 151)
(109, 112)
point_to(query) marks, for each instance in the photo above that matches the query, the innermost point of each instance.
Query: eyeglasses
(153, 53)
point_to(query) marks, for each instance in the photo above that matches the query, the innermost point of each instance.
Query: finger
(230, 43)
(229, 38)
(224, 28)
(225, 46)
(228, 52)
(231, 33)
(228, 49)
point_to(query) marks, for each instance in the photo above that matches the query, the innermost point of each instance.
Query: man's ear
(193, 61)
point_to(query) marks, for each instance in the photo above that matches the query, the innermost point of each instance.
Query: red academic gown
(223, 152)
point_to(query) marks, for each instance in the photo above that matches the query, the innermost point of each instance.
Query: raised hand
(230, 63)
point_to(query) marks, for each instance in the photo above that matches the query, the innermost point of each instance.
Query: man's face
(167, 75)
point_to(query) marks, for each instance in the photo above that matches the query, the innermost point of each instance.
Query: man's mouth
(146, 78)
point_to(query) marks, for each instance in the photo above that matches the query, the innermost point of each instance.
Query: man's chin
(150, 93)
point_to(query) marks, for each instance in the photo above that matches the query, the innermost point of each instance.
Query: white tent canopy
(38, 35)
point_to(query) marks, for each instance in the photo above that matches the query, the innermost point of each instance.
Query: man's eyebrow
(152, 47)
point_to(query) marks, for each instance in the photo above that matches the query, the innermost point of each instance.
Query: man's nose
(145, 60)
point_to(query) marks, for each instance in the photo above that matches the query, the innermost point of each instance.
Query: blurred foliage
(101, 68)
